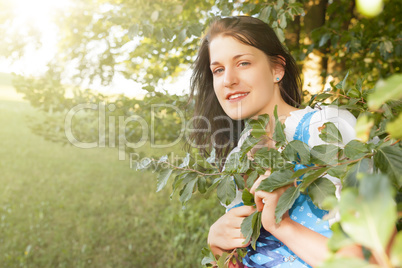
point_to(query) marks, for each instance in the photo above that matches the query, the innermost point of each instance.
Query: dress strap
(302, 132)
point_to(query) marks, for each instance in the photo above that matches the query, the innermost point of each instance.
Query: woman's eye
(244, 63)
(218, 70)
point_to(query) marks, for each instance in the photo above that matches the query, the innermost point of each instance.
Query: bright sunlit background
(39, 15)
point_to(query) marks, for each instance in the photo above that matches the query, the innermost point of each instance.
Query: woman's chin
(236, 117)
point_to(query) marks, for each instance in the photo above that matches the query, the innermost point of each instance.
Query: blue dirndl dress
(270, 252)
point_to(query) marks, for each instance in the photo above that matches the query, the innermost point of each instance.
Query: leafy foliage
(347, 162)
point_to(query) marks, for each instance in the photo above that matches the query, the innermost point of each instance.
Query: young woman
(243, 71)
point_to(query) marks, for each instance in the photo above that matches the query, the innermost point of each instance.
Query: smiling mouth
(237, 96)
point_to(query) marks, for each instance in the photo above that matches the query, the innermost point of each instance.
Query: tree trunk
(313, 65)
(334, 68)
(292, 35)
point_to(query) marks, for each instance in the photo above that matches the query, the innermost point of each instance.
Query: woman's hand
(266, 202)
(225, 233)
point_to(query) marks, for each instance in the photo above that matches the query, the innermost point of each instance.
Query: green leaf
(155, 15)
(268, 158)
(248, 144)
(386, 47)
(388, 160)
(368, 215)
(337, 171)
(344, 82)
(297, 8)
(212, 157)
(297, 151)
(283, 22)
(168, 33)
(247, 127)
(355, 149)
(163, 159)
(212, 187)
(202, 184)
(244, 165)
(148, 88)
(163, 178)
(133, 31)
(350, 179)
(279, 4)
(246, 227)
(265, 14)
(323, 96)
(279, 132)
(248, 198)
(256, 229)
(186, 161)
(339, 238)
(276, 180)
(389, 89)
(208, 257)
(363, 127)
(251, 179)
(259, 125)
(187, 191)
(324, 39)
(143, 164)
(233, 162)
(147, 30)
(336, 262)
(353, 93)
(250, 228)
(301, 172)
(239, 181)
(325, 154)
(194, 29)
(312, 176)
(222, 259)
(226, 190)
(394, 128)
(189, 177)
(396, 251)
(330, 133)
(285, 202)
(279, 33)
(182, 36)
(177, 183)
(319, 190)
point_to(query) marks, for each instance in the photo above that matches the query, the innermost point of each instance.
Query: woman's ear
(279, 69)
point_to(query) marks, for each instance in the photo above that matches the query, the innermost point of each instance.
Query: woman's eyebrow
(234, 58)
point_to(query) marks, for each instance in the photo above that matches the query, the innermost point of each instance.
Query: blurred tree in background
(149, 42)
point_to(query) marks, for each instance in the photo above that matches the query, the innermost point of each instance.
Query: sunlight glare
(39, 11)
(39, 14)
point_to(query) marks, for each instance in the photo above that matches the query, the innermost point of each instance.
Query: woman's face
(244, 82)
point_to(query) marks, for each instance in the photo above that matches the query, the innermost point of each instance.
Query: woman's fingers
(239, 243)
(259, 180)
(260, 199)
(242, 211)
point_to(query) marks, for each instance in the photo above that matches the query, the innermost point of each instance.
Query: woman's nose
(230, 78)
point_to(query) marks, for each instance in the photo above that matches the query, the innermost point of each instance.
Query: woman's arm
(305, 243)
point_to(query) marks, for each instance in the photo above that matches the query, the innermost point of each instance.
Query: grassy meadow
(62, 206)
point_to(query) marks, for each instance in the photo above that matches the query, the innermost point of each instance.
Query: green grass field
(61, 206)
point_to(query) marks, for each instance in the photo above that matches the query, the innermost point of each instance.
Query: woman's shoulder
(316, 117)
(341, 118)
(331, 113)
